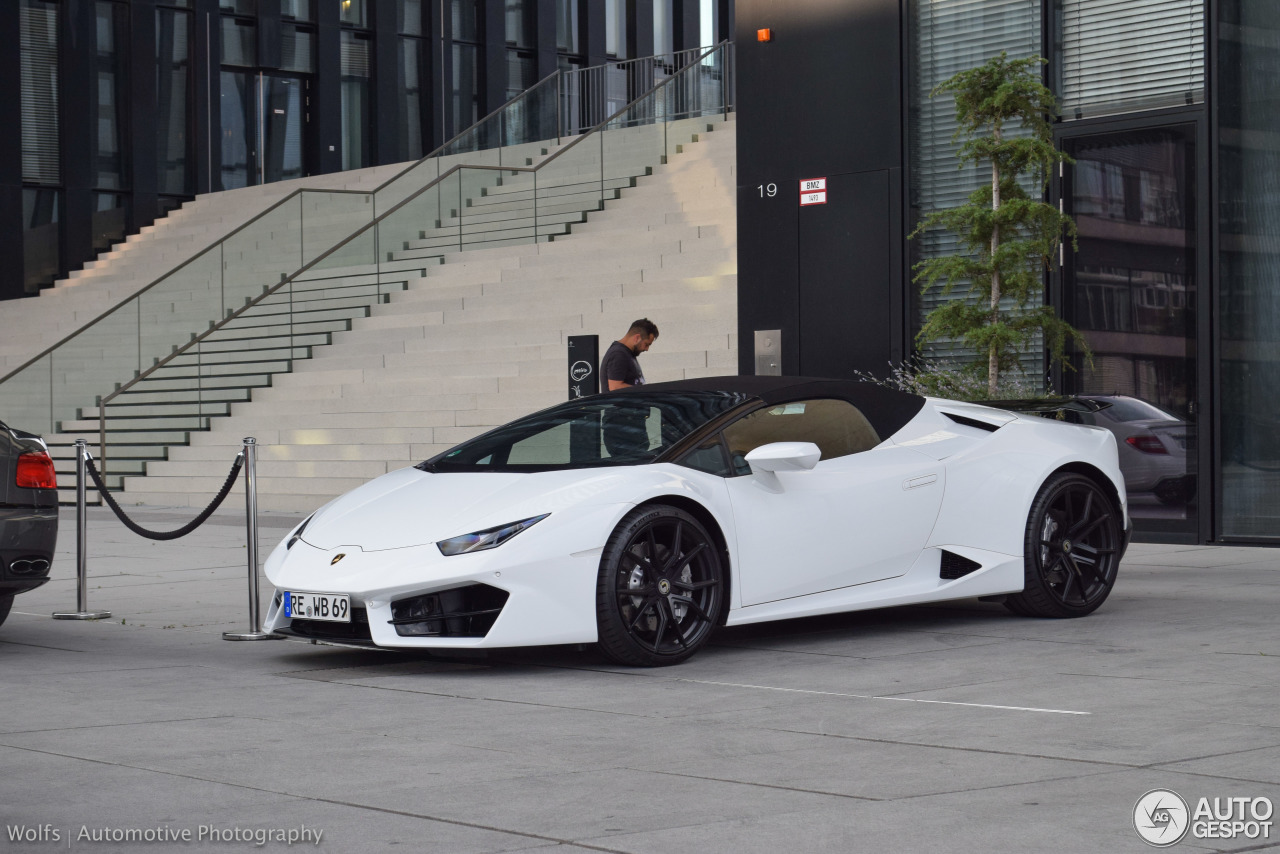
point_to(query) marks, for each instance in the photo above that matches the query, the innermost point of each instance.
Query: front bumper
(543, 584)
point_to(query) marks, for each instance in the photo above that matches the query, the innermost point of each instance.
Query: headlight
(490, 538)
(297, 535)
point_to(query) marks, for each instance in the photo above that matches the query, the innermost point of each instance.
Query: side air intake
(954, 566)
(972, 422)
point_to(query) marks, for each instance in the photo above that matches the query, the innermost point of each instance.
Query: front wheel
(661, 588)
(1071, 549)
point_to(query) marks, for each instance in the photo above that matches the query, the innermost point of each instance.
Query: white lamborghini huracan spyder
(643, 519)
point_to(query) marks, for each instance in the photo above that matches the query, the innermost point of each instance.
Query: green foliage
(1008, 238)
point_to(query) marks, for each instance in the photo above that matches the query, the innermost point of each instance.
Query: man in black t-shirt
(620, 368)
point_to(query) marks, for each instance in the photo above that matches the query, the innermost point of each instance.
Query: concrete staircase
(35, 323)
(31, 325)
(448, 350)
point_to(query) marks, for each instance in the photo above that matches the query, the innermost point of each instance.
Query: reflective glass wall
(1248, 299)
(41, 162)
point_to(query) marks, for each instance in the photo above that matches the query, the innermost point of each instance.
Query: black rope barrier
(165, 535)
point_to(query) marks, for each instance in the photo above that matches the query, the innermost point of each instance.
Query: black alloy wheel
(6, 602)
(1072, 549)
(661, 588)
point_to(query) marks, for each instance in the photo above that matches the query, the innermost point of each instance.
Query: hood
(411, 507)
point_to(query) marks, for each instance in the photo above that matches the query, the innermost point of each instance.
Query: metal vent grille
(954, 566)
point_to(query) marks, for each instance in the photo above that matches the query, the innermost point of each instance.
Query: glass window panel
(1121, 55)
(522, 72)
(663, 28)
(466, 87)
(708, 22)
(615, 28)
(948, 38)
(173, 36)
(521, 29)
(39, 82)
(465, 19)
(283, 128)
(837, 427)
(413, 74)
(409, 17)
(568, 25)
(239, 7)
(297, 49)
(112, 88)
(41, 212)
(356, 91)
(1131, 289)
(239, 42)
(239, 130)
(1248, 301)
(353, 12)
(299, 10)
(110, 217)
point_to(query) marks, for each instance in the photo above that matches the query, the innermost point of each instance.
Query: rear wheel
(660, 589)
(1071, 549)
(6, 602)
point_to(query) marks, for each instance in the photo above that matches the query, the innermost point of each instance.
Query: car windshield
(604, 430)
(1132, 409)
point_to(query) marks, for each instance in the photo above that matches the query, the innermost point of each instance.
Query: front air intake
(954, 566)
(463, 612)
(355, 632)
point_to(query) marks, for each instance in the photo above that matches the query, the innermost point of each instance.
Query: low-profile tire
(661, 588)
(1071, 549)
(6, 602)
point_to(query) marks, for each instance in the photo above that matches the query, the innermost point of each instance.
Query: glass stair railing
(181, 352)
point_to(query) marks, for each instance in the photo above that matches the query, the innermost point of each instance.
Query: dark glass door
(239, 129)
(1131, 289)
(283, 127)
(263, 128)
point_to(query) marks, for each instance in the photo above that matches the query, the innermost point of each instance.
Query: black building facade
(124, 109)
(1170, 111)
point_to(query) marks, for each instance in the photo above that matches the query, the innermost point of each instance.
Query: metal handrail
(435, 153)
(229, 318)
(373, 224)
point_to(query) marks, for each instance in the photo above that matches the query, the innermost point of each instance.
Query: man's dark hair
(644, 325)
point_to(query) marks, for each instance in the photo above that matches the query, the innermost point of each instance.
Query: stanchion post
(251, 533)
(82, 611)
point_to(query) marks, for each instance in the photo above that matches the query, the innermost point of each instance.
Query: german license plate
(328, 607)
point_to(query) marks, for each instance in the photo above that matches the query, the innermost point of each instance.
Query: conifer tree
(1008, 238)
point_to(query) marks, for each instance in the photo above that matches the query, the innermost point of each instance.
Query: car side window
(708, 457)
(837, 427)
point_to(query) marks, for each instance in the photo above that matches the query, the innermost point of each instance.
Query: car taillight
(35, 471)
(1147, 444)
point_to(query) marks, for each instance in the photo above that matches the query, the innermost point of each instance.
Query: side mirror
(784, 456)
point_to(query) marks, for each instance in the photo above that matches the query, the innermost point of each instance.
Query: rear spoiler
(1048, 405)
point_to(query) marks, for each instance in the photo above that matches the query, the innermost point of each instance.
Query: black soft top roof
(886, 409)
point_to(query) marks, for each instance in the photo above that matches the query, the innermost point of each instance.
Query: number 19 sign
(813, 191)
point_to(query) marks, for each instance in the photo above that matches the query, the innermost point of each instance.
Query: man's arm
(614, 385)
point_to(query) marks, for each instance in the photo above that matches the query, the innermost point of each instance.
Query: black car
(28, 514)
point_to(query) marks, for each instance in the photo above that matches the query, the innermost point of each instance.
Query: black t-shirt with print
(620, 364)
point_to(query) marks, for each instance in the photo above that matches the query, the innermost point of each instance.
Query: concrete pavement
(955, 727)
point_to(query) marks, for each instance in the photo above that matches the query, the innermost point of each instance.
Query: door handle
(923, 480)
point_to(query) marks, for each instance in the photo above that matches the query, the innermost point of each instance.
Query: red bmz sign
(813, 191)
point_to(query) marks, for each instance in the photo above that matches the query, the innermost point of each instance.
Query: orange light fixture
(764, 35)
